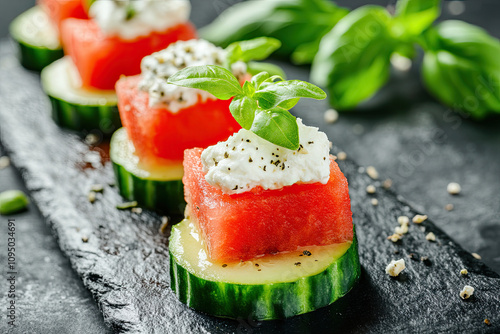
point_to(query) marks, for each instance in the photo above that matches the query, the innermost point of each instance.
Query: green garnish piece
(127, 205)
(13, 201)
(260, 106)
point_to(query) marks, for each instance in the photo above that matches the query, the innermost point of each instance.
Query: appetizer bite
(36, 31)
(100, 50)
(162, 120)
(268, 231)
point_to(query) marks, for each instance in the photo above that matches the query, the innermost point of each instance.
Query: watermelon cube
(244, 226)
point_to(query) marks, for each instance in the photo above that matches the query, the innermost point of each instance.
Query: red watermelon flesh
(158, 133)
(243, 226)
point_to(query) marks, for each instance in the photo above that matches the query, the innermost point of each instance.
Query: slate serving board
(124, 263)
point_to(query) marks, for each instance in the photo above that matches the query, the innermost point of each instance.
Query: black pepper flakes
(215, 162)
(250, 159)
(311, 142)
(265, 168)
(235, 188)
(224, 265)
(248, 140)
(256, 264)
(297, 264)
(259, 269)
(228, 168)
(306, 253)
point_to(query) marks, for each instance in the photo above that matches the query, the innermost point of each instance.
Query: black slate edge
(125, 261)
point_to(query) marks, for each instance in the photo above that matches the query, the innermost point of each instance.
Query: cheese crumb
(403, 229)
(395, 267)
(454, 188)
(466, 292)
(374, 201)
(4, 162)
(387, 184)
(449, 207)
(464, 272)
(395, 237)
(372, 172)
(371, 189)
(403, 220)
(476, 255)
(342, 155)
(331, 116)
(430, 236)
(418, 219)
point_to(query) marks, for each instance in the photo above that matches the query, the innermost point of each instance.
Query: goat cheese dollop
(130, 19)
(158, 67)
(245, 161)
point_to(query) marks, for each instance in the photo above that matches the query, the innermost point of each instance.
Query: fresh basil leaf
(277, 126)
(289, 104)
(243, 110)
(248, 89)
(293, 22)
(273, 95)
(415, 16)
(253, 49)
(304, 54)
(461, 68)
(255, 68)
(259, 78)
(216, 80)
(353, 61)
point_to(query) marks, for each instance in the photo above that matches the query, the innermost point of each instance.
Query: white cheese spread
(130, 19)
(158, 67)
(246, 161)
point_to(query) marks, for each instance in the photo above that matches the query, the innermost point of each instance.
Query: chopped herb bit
(215, 162)
(127, 205)
(226, 155)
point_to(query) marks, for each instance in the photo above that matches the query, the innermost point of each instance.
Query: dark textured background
(399, 140)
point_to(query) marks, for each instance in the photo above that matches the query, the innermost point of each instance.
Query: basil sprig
(260, 106)
(298, 24)
(461, 65)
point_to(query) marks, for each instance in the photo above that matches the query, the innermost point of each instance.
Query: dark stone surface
(124, 263)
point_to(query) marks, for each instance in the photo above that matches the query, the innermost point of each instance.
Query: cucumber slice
(286, 285)
(76, 108)
(158, 188)
(37, 38)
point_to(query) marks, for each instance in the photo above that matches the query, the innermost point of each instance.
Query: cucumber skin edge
(105, 118)
(163, 196)
(264, 302)
(36, 58)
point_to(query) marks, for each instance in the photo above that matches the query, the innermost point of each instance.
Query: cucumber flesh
(37, 38)
(76, 108)
(155, 186)
(286, 285)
